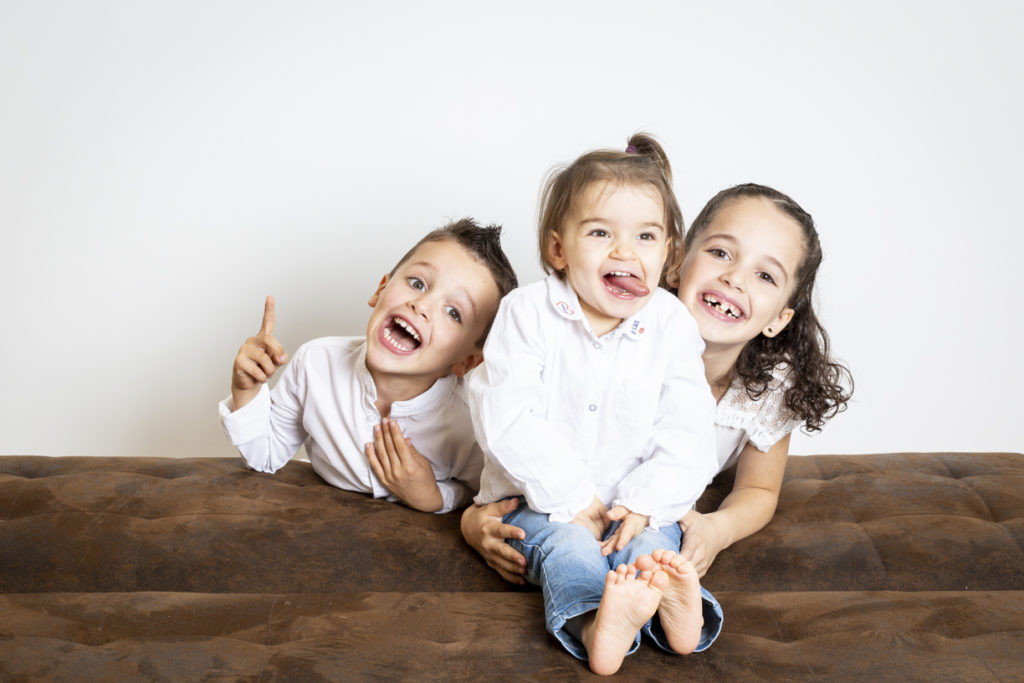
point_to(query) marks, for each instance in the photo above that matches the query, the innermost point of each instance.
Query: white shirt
(740, 419)
(325, 400)
(563, 416)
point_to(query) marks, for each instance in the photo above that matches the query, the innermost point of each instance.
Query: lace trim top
(762, 422)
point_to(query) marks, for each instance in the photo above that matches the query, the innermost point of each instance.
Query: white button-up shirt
(325, 400)
(564, 416)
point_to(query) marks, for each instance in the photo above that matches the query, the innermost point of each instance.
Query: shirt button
(592, 407)
(597, 345)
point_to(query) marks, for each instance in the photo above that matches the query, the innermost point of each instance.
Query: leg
(565, 561)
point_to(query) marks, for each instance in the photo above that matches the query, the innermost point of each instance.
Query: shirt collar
(437, 391)
(566, 303)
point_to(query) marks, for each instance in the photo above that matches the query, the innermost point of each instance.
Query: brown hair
(484, 243)
(819, 382)
(643, 163)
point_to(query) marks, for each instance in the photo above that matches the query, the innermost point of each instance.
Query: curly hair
(643, 162)
(821, 385)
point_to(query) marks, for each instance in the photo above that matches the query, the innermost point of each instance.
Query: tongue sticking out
(627, 284)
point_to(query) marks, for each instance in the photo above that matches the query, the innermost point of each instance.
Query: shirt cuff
(249, 422)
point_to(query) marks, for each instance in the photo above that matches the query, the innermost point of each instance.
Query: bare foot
(681, 610)
(628, 602)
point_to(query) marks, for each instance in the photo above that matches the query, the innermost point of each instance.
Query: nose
(420, 305)
(622, 249)
(733, 278)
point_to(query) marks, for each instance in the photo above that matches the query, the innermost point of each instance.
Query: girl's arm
(748, 507)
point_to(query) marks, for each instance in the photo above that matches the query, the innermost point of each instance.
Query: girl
(577, 409)
(748, 278)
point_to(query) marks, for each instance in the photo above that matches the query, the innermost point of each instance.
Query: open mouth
(400, 334)
(726, 308)
(625, 285)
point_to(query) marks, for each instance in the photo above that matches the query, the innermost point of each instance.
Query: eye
(648, 236)
(718, 253)
(766, 277)
(453, 313)
(598, 232)
(416, 283)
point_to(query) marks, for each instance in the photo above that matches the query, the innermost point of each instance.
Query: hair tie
(631, 149)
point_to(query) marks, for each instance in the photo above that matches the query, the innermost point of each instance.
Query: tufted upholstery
(904, 566)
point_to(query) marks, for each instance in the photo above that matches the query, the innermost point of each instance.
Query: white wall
(165, 165)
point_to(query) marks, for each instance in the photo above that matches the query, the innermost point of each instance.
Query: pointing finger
(267, 328)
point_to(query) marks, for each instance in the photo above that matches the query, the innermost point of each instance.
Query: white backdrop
(165, 165)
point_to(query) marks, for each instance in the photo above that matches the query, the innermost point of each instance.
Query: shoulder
(673, 318)
(766, 418)
(330, 349)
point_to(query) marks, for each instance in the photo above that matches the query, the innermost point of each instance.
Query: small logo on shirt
(636, 329)
(564, 308)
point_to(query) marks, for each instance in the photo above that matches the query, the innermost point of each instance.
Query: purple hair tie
(631, 149)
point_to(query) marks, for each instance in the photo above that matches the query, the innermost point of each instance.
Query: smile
(723, 307)
(401, 335)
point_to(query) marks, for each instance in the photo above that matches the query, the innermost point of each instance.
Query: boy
(342, 395)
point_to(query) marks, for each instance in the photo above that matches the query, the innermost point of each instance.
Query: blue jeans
(566, 562)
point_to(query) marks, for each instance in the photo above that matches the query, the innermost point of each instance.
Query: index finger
(267, 327)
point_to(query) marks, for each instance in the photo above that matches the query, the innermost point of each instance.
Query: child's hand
(483, 529)
(701, 540)
(593, 518)
(402, 469)
(632, 523)
(257, 360)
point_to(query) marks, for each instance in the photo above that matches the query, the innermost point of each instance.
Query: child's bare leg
(681, 609)
(628, 602)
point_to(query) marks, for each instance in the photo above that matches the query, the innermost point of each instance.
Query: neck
(719, 364)
(392, 388)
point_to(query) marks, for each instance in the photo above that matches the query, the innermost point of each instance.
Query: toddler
(591, 405)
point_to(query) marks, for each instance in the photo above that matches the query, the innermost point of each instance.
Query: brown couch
(876, 567)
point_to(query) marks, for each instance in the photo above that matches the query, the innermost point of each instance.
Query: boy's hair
(642, 163)
(819, 384)
(484, 243)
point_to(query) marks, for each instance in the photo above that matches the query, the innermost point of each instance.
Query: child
(748, 278)
(430, 317)
(583, 403)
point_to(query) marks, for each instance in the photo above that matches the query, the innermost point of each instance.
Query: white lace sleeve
(765, 420)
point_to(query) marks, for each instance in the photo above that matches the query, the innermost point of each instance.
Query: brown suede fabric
(880, 567)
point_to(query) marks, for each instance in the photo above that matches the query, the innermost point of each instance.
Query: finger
(266, 364)
(249, 367)
(267, 327)
(276, 351)
(617, 513)
(510, 559)
(371, 455)
(399, 443)
(389, 444)
(511, 578)
(383, 456)
(507, 531)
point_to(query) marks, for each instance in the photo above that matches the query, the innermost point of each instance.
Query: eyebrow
(732, 240)
(604, 221)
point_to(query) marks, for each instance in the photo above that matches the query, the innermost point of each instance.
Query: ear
(463, 366)
(555, 252)
(380, 288)
(779, 324)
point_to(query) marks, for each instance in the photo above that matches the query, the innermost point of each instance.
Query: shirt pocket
(636, 403)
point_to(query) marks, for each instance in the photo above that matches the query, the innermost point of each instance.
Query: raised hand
(257, 359)
(402, 469)
(631, 524)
